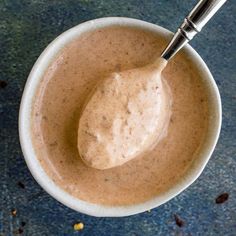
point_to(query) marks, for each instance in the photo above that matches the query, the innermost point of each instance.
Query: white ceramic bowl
(25, 112)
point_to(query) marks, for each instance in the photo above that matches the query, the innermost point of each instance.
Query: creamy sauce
(60, 99)
(126, 115)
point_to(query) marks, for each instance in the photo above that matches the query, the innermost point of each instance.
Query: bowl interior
(25, 112)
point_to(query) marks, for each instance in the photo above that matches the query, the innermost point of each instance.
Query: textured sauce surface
(63, 91)
(127, 115)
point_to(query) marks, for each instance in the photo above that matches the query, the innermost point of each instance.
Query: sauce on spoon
(127, 114)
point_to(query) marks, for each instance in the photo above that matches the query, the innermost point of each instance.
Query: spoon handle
(192, 24)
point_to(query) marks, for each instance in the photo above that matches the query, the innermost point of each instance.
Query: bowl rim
(33, 163)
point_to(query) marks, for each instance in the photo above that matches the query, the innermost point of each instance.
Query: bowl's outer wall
(25, 110)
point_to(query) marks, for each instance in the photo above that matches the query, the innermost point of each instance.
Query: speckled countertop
(26, 27)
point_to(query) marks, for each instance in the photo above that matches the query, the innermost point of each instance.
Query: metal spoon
(105, 137)
(192, 24)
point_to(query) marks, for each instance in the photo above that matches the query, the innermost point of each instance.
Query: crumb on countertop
(14, 212)
(179, 222)
(222, 198)
(21, 185)
(78, 226)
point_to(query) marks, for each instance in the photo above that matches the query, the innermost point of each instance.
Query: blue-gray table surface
(26, 27)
